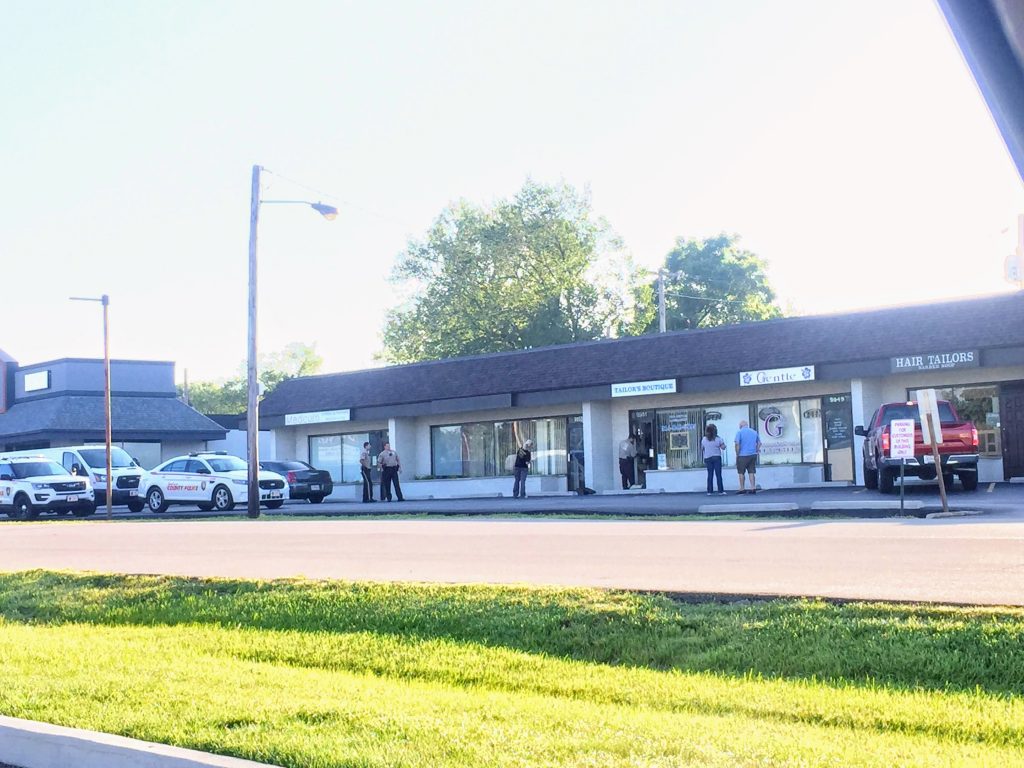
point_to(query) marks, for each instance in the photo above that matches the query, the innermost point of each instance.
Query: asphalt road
(961, 560)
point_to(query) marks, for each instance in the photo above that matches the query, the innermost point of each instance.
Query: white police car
(33, 484)
(210, 481)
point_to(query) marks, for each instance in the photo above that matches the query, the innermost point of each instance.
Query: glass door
(574, 446)
(642, 426)
(838, 418)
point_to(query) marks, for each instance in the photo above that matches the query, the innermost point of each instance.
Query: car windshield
(227, 464)
(41, 468)
(97, 458)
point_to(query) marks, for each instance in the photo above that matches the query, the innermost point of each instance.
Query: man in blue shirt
(747, 443)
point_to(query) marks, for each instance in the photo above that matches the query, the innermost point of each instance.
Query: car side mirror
(6, 478)
(860, 431)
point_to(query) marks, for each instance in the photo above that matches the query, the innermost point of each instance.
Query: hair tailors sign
(637, 388)
(777, 376)
(316, 417)
(936, 361)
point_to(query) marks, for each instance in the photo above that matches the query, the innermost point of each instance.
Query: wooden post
(938, 464)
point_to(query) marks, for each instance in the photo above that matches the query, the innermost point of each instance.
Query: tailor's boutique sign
(777, 376)
(637, 388)
(936, 361)
(316, 417)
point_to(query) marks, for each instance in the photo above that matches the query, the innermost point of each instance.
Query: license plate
(314, 487)
(72, 499)
(274, 495)
(133, 493)
(928, 459)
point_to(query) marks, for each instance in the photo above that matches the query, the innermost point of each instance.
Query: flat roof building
(802, 382)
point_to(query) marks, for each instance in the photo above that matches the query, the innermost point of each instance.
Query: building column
(865, 397)
(600, 457)
(402, 436)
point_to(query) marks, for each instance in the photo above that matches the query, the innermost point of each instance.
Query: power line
(704, 298)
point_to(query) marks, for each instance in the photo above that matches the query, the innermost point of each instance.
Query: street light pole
(252, 410)
(252, 422)
(661, 301)
(105, 301)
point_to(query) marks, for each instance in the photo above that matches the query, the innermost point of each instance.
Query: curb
(768, 508)
(30, 744)
(825, 506)
(954, 513)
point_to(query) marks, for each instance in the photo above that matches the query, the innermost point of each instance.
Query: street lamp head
(329, 212)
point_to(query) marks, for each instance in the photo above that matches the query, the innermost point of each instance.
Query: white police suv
(33, 484)
(210, 481)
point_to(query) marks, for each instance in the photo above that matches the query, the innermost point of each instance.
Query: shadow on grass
(861, 643)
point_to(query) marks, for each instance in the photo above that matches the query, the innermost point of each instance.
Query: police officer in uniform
(365, 467)
(390, 465)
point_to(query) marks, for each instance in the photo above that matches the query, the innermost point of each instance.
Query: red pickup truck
(958, 451)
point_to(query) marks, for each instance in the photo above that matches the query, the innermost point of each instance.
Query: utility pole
(661, 301)
(252, 421)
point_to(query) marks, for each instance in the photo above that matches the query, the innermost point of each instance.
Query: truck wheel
(969, 480)
(222, 499)
(136, 505)
(316, 499)
(886, 480)
(84, 510)
(276, 504)
(23, 509)
(155, 500)
(870, 478)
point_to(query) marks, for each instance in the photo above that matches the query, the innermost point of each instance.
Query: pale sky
(844, 141)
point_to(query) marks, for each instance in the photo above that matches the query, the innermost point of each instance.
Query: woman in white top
(712, 448)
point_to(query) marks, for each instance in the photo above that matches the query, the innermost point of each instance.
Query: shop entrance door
(838, 416)
(574, 444)
(642, 426)
(1011, 419)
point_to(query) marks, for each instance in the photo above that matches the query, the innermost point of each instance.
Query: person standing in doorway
(627, 465)
(712, 448)
(390, 465)
(521, 469)
(748, 444)
(365, 467)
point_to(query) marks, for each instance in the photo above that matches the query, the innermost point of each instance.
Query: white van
(91, 461)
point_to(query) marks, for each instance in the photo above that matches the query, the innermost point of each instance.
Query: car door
(200, 481)
(174, 480)
(6, 486)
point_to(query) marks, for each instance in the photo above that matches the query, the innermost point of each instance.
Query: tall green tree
(535, 270)
(709, 282)
(228, 396)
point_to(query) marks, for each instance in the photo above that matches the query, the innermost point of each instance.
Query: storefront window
(679, 431)
(726, 419)
(810, 430)
(339, 454)
(977, 403)
(778, 424)
(325, 453)
(488, 449)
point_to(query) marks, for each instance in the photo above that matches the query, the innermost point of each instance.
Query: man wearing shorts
(747, 443)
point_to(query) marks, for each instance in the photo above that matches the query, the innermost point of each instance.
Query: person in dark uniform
(365, 467)
(390, 465)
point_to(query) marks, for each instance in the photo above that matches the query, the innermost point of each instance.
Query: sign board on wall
(316, 417)
(901, 438)
(936, 361)
(637, 388)
(37, 380)
(777, 376)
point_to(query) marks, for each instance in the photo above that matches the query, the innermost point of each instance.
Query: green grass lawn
(337, 674)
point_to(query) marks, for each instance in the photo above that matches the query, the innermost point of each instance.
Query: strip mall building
(804, 383)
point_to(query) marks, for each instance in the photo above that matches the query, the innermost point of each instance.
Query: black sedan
(304, 481)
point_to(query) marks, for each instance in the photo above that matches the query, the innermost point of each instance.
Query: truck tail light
(885, 440)
(974, 436)
(291, 478)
